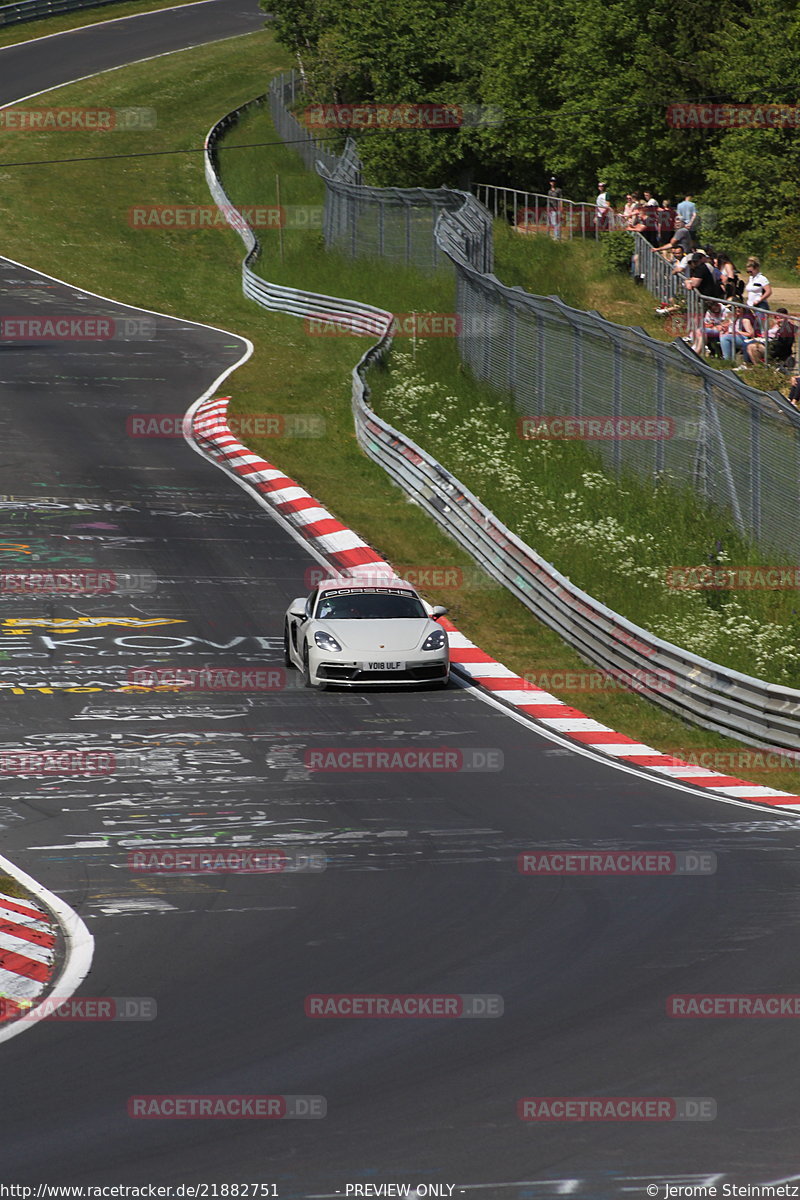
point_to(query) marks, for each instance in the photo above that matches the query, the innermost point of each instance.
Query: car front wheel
(288, 661)
(307, 680)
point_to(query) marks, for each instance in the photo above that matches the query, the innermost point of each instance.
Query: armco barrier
(709, 695)
(34, 10)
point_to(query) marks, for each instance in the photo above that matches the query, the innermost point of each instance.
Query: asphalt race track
(421, 892)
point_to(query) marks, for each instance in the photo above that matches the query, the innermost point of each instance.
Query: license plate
(381, 666)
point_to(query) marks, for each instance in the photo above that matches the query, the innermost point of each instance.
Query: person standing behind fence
(603, 210)
(687, 211)
(733, 285)
(555, 209)
(757, 289)
(666, 221)
(651, 232)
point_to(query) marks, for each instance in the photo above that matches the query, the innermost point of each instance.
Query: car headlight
(435, 640)
(326, 641)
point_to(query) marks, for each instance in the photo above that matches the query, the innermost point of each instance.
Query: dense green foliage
(584, 87)
(616, 250)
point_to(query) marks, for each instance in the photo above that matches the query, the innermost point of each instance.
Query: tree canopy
(583, 88)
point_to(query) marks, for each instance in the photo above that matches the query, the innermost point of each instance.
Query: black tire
(288, 661)
(318, 687)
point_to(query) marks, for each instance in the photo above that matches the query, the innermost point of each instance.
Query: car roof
(373, 582)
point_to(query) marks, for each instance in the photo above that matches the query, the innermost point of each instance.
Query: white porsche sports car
(351, 634)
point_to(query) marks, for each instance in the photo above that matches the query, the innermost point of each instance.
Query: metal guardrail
(715, 697)
(536, 212)
(34, 10)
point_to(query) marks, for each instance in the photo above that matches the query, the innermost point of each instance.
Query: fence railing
(33, 10)
(535, 212)
(712, 696)
(736, 447)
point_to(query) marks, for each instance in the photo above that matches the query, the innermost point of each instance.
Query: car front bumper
(432, 669)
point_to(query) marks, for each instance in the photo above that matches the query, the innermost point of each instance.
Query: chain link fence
(648, 407)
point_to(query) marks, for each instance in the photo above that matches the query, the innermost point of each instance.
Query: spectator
(681, 237)
(757, 289)
(701, 277)
(555, 208)
(651, 231)
(739, 336)
(630, 207)
(666, 222)
(732, 285)
(715, 320)
(687, 211)
(794, 391)
(602, 208)
(780, 341)
(681, 262)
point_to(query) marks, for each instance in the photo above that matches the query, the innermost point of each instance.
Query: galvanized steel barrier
(715, 697)
(737, 447)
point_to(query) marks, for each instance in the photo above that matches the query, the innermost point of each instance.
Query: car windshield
(370, 606)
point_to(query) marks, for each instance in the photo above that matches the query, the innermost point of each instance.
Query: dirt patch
(783, 297)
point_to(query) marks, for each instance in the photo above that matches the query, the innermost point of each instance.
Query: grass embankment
(25, 31)
(574, 271)
(196, 275)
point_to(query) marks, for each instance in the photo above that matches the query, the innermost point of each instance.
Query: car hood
(379, 637)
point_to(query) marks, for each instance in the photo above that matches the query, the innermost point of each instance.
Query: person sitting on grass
(780, 341)
(739, 336)
(715, 320)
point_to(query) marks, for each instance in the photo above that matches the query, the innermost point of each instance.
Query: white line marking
(134, 63)
(94, 24)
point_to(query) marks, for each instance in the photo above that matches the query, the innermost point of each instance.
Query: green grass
(196, 275)
(574, 271)
(10, 887)
(25, 31)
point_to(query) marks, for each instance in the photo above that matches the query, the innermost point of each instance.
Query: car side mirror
(298, 607)
(437, 611)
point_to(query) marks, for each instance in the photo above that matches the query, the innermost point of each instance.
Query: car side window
(310, 602)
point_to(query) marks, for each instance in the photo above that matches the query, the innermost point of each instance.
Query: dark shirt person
(701, 278)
